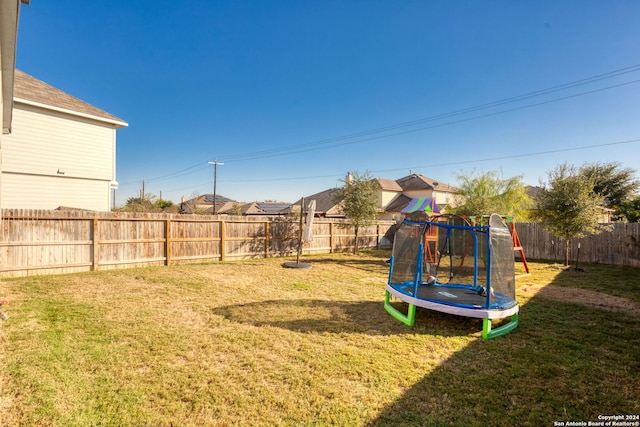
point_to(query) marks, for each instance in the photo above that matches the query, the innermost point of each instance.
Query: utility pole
(215, 164)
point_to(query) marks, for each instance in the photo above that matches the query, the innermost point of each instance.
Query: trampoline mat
(447, 294)
(460, 295)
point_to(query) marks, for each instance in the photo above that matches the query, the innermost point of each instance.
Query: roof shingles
(31, 89)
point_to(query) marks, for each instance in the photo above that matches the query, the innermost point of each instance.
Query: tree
(138, 204)
(568, 206)
(167, 206)
(358, 198)
(631, 209)
(149, 203)
(488, 193)
(236, 209)
(614, 184)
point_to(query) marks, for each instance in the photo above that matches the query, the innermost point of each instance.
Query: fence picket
(52, 242)
(618, 246)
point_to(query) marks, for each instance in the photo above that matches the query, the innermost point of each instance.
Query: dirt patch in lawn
(582, 296)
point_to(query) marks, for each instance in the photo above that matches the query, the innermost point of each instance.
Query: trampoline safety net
(450, 251)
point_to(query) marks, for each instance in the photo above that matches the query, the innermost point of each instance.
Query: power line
(467, 119)
(414, 167)
(181, 172)
(350, 138)
(298, 148)
(461, 162)
(538, 153)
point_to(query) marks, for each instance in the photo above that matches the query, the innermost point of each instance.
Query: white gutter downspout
(113, 185)
(1, 133)
(9, 17)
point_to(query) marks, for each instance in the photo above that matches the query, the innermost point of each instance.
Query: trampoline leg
(408, 319)
(488, 333)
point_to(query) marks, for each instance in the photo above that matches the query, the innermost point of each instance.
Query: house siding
(387, 197)
(44, 142)
(418, 193)
(47, 192)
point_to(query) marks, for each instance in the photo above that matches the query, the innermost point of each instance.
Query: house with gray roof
(204, 204)
(266, 208)
(416, 186)
(325, 204)
(61, 150)
(393, 196)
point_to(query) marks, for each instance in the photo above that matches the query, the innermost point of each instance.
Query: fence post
(222, 240)
(331, 231)
(94, 246)
(167, 241)
(267, 231)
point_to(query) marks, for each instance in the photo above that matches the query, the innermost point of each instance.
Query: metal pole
(215, 181)
(300, 233)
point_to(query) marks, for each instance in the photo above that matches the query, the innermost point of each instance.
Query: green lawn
(251, 343)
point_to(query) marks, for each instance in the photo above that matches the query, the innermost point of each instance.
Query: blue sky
(291, 95)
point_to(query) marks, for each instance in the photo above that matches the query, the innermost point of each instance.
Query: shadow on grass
(369, 257)
(564, 362)
(321, 316)
(366, 263)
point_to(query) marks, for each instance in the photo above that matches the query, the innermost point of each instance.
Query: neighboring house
(393, 209)
(225, 206)
(204, 204)
(393, 196)
(9, 17)
(415, 186)
(390, 191)
(325, 204)
(61, 150)
(606, 216)
(266, 208)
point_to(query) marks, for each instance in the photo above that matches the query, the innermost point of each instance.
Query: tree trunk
(566, 252)
(355, 245)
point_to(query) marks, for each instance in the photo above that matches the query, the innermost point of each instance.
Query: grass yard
(253, 344)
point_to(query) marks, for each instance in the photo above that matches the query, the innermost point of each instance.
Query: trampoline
(446, 264)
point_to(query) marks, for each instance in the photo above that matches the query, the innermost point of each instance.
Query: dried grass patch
(251, 343)
(583, 297)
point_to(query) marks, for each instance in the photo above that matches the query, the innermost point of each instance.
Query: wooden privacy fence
(619, 245)
(35, 242)
(52, 242)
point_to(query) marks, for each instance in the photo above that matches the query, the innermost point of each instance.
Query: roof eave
(9, 12)
(116, 123)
